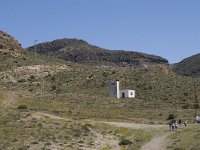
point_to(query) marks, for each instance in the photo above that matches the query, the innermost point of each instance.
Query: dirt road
(40, 115)
(157, 143)
(135, 125)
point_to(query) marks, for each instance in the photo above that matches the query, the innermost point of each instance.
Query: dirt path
(39, 115)
(100, 140)
(103, 140)
(117, 124)
(135, 125)
(157, 143)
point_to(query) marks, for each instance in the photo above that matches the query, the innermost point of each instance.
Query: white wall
(127, 93)
(114, 89)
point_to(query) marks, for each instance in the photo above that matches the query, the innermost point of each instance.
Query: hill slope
(77, 90)
(80, 51)
(189, 66)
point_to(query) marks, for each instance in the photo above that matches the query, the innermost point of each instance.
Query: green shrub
(31, 78)
(22, 107)
(195, 148)
(21, 80)
(53, 87)
(125, 142)
(185, 106)
(178, 148)
(171, 116)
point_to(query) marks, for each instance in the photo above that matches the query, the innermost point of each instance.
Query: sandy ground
(157, 143)
(100, 140)
(135, 125)
(39, 115)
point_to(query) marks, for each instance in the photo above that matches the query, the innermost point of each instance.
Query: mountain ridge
(80, 51)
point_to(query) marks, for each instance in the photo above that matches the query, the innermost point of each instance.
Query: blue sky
(169, 28)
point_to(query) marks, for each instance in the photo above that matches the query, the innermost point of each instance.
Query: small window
(131, 93)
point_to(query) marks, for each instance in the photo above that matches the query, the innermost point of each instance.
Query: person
(196, 118)
(179, 122)
(170, 125)
(173, 125)
(176, 125)
(185, 123)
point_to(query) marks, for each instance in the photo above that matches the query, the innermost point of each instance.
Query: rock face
(189, 66)
(8, 45)
(80, 51)
(8, 42)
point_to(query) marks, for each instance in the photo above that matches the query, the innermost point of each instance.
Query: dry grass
(21, 129)
(187, 138)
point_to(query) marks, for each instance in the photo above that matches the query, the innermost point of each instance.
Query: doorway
(123, 95)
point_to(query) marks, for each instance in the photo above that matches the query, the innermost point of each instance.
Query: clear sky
(169, 28)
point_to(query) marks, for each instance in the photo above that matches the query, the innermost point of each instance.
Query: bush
(178, 148)
(53, 87)
(22, 107)
(186, 106)
(32, 77)
(171, 116)
(21, 80)
(125, 142)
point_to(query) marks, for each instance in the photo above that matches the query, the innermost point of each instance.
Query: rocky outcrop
(8, 42)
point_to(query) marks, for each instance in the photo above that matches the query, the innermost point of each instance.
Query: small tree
(125, 142)
(22, 107)
(171, 117)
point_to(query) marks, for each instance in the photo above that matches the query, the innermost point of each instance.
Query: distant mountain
(80, 51)
(189, 66)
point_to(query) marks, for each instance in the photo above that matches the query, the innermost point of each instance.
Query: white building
(127, 93)
(114, 91)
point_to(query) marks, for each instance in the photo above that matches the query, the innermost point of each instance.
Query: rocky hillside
(8, 42)
(8, 45)
(189, 66)
(11, 52)
(19, 64)
(80, 51)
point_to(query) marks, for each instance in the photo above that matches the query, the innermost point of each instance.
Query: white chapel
(114, 91)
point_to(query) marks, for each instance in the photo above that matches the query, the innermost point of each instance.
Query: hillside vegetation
(82, 90)
(189, 66)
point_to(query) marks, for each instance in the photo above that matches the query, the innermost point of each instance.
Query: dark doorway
(123, 95)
